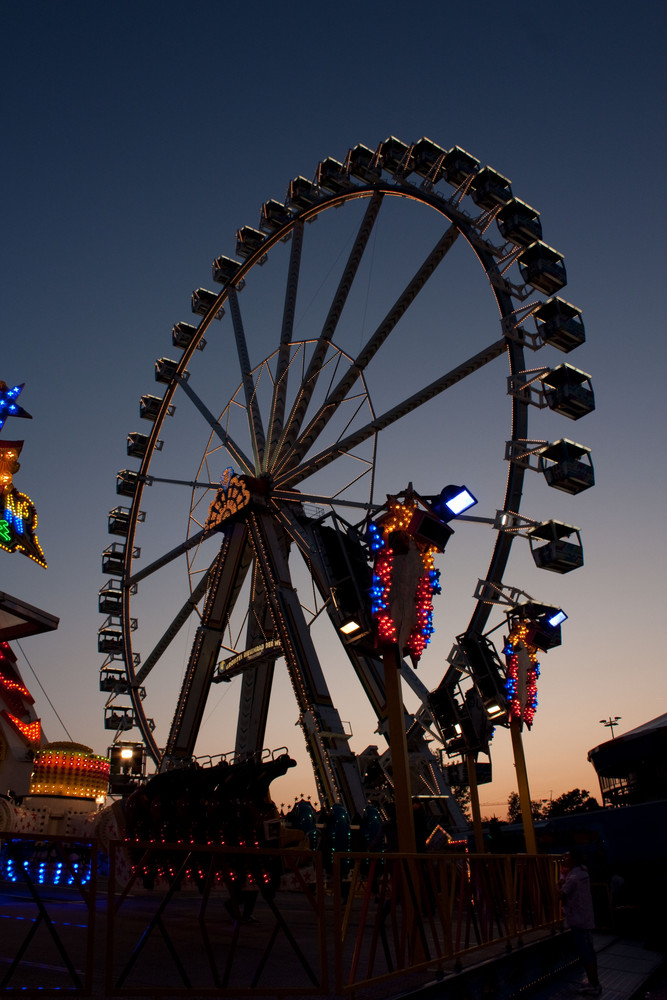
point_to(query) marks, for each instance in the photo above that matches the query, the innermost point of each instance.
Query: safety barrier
(193, 920)
(395, 914)
(47, 918)
(231, 921)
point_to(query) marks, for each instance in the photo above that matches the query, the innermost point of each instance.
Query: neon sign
(18, 516)
(8, 405)
(18, 523)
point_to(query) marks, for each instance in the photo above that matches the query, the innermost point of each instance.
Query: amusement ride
(263, 525)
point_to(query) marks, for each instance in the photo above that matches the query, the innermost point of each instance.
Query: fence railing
(184, 919)
(48, 886)
(394, 914)
(230, 921)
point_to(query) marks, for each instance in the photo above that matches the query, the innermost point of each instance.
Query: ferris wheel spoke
(172, 631)
(344, 445)
(280, 386)
(235, 452)
(513, 492)
(402, 303)
(169, 556)
(309, 383)
(252, 405)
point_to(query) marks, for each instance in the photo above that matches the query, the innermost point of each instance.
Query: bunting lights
(523, 671)
(31, 732)
(69, 769)
(12, 692)
(404, 575)
(532, 627)
(16, 700)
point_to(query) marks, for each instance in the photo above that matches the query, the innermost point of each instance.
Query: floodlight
(544, 623)
(494, 710)
(127, 764)
(349, 627)
(452, 501)
(461, 502)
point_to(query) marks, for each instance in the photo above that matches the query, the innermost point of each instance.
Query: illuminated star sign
(232, 497)
(8, 405)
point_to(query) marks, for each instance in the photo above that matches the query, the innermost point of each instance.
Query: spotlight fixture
(452, 501)
(494, 710)
(127, 767)
(349, 627)
(543, 623)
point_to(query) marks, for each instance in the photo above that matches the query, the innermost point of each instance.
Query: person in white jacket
(575, 892)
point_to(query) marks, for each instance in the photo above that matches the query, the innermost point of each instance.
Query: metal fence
(199, 920)
(48, 893)
(395, 914)
(226, 921)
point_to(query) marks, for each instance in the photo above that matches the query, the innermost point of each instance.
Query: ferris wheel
(297, 404)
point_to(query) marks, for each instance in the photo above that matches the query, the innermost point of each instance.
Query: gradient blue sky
(137, 137)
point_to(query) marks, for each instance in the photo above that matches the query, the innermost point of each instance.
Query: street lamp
(611, 723)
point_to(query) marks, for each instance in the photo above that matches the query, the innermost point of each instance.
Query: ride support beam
(257, 681)
(335, 769)
(226, 578)
(522, 783)
(405, 825)
(278, 402)
(369, 668)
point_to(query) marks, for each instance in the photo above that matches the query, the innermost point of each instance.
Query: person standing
(575, 892)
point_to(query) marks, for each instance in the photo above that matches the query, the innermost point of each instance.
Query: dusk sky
(138, 137)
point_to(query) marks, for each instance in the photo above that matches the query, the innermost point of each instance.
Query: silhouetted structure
(632, 768)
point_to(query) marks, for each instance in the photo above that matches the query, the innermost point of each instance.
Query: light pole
(611, 723)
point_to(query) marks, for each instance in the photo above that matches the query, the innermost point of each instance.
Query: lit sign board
(18, 523)
(232, 497)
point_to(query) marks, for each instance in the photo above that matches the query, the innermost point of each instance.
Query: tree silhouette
(514, 809)
(575, 801)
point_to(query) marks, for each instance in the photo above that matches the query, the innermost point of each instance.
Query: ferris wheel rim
(503, 295)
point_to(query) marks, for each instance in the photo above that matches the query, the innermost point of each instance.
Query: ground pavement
(628, 970)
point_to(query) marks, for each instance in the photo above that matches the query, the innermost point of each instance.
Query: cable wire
(53, 708)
